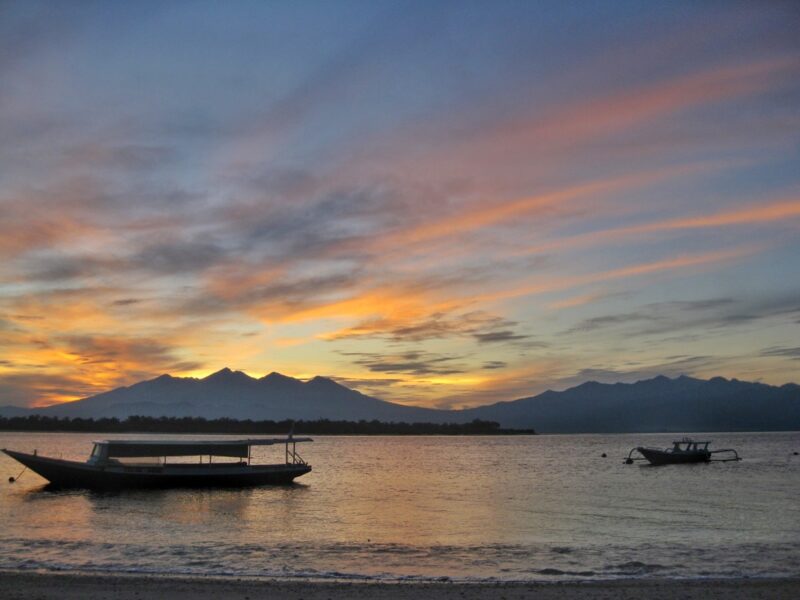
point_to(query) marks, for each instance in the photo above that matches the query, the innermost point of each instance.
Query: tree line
(139, 424)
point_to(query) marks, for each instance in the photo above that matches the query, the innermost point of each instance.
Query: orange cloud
(760, 213)
(78, 343)
(589, 119)
(289, 342)
(473, 218)
(543, 140)
(91, 363)
(26, 229)
(778, 211)
(231, 281)
(574, 301)
(670, 264)
(392, 302)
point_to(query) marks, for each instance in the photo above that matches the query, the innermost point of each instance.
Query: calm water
(514, 508)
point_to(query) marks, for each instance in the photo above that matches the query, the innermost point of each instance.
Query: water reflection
(511, 507)
(141, 516)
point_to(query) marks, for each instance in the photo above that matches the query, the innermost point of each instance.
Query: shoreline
(27, 585)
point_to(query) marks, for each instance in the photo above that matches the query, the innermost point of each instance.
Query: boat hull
(72, 474)
(662, 457)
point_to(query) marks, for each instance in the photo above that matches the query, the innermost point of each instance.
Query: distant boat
(682, 451)
(116, 464)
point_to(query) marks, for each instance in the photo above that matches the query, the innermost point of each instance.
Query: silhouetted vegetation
(201, 425)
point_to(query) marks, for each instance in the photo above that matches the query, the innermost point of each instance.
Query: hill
(658, 404)
(235, 395)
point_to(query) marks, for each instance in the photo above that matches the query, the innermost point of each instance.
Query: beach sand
(15, 585)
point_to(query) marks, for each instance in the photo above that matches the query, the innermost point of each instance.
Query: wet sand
(16, 585)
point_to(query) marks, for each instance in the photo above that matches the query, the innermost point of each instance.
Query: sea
(515, 508)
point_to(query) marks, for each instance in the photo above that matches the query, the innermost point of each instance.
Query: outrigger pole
(735, 455)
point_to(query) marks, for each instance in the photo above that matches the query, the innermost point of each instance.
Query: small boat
(116, 464)
(682, 451)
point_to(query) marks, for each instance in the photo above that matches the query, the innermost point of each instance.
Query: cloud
(404, 179)
(600, 116)
(59, 268)
(285, 299)
(328, 221)
(778, 212)
(412, 362)
(713, 315)
(504, 335)
(126, 157)
(760, 213)
(178, 256)
(37, 388)
(783, 352)
(580, 300)
(116, 350)
(27, 226)
(127, 301)
(57, 367)
(678, 263)
(495, 364)
(482, 212)
(652, 313)
(625, 120)
(482, 326)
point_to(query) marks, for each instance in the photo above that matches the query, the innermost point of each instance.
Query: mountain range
(657, 404)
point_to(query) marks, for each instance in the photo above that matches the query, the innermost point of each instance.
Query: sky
(440, 204)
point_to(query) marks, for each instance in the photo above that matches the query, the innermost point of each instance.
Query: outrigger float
(682, 451)
(117, 464)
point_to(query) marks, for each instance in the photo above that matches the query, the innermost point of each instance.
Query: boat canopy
(142, 448)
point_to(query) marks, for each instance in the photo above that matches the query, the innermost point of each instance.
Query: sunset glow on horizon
(437, 204)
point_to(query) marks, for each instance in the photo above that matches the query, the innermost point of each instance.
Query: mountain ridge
(657, 404)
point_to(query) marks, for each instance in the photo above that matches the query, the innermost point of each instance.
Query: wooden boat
(116, 464)
(682, 451)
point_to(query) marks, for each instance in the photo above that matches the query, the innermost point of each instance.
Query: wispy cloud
(712, 316)
(780, 212)
(480, 325)
(413, 362)
(412, 198)
(589, 119)
(782, 352)
(678, 263)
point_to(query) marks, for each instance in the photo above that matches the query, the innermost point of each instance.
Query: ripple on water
(425, 508)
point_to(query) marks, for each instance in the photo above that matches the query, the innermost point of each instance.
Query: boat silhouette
(117, 464)
(682, 452)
